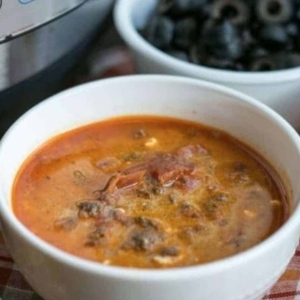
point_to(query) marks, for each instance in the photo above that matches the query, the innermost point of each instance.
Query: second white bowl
(278, 89)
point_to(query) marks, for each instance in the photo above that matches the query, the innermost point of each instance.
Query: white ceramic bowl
(57, 275)
(278, 89)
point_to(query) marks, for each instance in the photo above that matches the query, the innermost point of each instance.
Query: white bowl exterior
(53, 280)
(279, 90)
(57, 275)
(283, 97)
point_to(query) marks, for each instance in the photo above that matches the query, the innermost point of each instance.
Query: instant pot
(40, 40)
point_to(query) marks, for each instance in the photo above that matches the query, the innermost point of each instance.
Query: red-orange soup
(149, 192)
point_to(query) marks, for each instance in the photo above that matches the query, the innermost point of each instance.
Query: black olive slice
(197, 54)
(234, 10)
(297, 14)
(273, 36)
(179, 8)
(293, 60)
(222, 40)
(178, 54)
(261, 64)
(174, 7)
(248, 39)
(219, 63)
(159, 31)
(230, 51)
(256, 52)
(292, 29)
(185, 33)
(219, 32)
(278, 61)
(274, 11)
(200, 8)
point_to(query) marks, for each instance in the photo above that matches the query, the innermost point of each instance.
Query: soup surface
(149, 192)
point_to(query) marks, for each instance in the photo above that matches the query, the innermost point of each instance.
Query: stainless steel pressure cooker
(36, 33)
(39, 41)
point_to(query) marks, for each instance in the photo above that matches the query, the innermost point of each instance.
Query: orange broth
(149, 192)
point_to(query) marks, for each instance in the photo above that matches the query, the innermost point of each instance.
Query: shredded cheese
(249, 213)
(152, 142)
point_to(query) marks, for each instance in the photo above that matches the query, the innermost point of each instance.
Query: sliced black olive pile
(240, 35)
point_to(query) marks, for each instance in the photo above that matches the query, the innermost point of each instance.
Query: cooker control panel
(21, 16)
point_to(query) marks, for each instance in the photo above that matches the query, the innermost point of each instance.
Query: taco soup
(149, 192)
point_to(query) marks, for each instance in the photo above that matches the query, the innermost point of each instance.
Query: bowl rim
(124, 24)
(153, 275)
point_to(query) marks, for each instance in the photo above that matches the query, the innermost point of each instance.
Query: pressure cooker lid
(21, 16)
